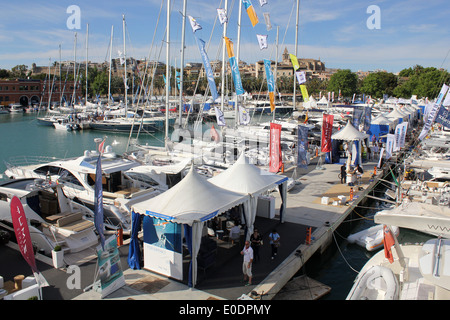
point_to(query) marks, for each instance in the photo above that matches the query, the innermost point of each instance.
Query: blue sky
(411, 31)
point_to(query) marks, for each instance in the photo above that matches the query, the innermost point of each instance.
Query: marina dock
(305, 209)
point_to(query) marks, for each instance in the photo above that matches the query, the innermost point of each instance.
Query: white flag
(222, 13)
(267, 21)
(244, 116)
(446, 102)
(219, 117)
(301, 76)
(262, 2)
(262, 40)
(194, 24)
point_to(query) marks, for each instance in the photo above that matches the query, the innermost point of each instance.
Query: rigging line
(342, 255)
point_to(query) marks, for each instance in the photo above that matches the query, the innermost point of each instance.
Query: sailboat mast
(60, 84)
(296, 53)
(183, 28)
(167, 72)
(74, 70)
(110, 61)
(276, 67)
(225, 26)
(236, 114)
(125, 65)
(87, 63)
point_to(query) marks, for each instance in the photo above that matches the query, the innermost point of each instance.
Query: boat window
(3, 197)
(67, 177)
(45, 169)
(142, 178)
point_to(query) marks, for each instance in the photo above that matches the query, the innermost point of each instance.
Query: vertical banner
(304, 93)
(270, 83)
(390, 140)
(403, 129)
(163, 251)
(275, 148)
(302, 149)
(208, 69)
(397, 133)
(358, 114)
(327, 129)
(23, 238)
(98, 201)
(250, 11)
(443, 116)
(222, 13)
(433, 112)
(367, 118)
(267, 21)
(109, 267)
(262, 40)
(234, 67)
(294, 61)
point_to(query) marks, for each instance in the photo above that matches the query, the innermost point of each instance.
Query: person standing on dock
(247, 252)
(343, 174)
(256, 242)
(274, 242)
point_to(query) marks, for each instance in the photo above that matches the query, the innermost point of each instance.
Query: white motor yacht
(53, 218)
(121, 187)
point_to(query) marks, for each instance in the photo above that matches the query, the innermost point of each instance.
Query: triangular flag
(222, 13)
(194, 24)
(388, 241)
(267, 21)
(262, 40)
(262, 2)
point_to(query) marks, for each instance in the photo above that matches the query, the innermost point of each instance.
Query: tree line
(417, 80)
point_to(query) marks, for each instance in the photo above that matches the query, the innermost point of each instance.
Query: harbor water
(337, 268)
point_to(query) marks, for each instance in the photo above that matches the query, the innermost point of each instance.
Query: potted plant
(58, 257)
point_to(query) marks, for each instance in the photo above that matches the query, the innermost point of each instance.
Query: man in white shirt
(247, 252)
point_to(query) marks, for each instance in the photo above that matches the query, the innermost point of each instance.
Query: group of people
(251, 252)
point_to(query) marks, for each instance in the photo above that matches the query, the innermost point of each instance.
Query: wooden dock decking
(304, 206)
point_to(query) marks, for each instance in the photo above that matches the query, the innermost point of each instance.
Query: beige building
(313, 68)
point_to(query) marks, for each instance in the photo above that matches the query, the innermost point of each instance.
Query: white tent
(323, 102)
(311, 103)
(192, 201)
(397, 115)
(246, 178)
(349, 133)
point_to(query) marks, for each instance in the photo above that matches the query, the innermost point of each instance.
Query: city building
(32, 92)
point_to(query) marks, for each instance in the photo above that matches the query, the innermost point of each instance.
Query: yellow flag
(272, 101)
(229, 46)
(294, 61)
(304, 93)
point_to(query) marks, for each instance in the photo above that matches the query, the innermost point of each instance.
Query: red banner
(327, 129)
(22, 232)
(275, 148)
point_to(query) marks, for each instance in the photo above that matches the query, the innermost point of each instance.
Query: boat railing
(20, 161)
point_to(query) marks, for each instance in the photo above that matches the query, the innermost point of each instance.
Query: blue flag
(98, 201)
(208, 69)
(302, 147)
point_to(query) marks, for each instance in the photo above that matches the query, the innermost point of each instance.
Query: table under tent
(182, 211)
(351, 137)
(246, 178)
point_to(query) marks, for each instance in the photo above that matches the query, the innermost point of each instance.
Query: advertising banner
(275, 148)
(109, 267)
(163, 251)
(327, 128)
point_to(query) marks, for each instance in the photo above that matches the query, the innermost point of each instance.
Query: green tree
(423, 82)
(379, 83)
(19, 71)
(343, 80)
